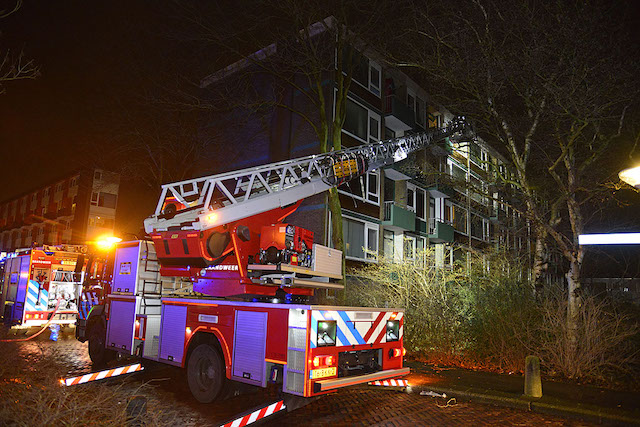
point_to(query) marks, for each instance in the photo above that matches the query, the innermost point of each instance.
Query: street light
(631, 176)
(609, 239)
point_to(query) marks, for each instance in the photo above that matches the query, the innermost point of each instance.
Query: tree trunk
(573, 301)
(540, 259)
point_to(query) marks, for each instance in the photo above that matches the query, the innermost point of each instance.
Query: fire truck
(36, 281)
(224, 286)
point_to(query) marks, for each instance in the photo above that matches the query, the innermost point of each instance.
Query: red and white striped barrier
(391, 383)
(94, 376)
(256, 415)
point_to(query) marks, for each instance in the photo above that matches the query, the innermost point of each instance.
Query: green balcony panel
(440, 232)
(398, 218)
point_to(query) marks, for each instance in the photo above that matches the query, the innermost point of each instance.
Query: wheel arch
(216, 340)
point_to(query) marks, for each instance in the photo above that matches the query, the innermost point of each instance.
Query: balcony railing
(398, 115)
(440, 230)
(398, 217)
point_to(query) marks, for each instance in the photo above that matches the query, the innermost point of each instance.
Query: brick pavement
(361, 406)
(376, 407)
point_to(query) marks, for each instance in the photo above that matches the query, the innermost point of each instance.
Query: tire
(205, 373)
(98, 353)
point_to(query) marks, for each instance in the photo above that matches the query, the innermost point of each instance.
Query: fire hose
(44, 328)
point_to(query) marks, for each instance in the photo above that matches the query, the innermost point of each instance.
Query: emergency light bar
(609, 239)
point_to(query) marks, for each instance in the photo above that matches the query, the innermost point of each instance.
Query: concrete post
(532, 382)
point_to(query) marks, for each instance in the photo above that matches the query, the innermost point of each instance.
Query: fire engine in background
(224, 287)
(36, 281)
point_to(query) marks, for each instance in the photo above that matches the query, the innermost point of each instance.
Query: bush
(488, 315)
(605, 347)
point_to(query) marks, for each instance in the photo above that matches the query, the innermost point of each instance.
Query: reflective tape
(391, 383)
(94, 376)
(256, 415)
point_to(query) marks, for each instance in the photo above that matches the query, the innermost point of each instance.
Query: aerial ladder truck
(224, 286)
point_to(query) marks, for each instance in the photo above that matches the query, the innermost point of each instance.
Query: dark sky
(95, 58)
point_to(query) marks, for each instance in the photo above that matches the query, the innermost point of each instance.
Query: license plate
(323, 372)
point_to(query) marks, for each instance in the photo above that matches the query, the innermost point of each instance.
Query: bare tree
(312, 49)
(551, 85)
(15, 66)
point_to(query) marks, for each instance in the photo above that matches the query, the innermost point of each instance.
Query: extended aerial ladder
(215, 221)
(211, 201)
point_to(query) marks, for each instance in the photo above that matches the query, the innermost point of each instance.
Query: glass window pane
(374, 131)
(356, 120)
(372, 239)
(420, 203)
(353, 232)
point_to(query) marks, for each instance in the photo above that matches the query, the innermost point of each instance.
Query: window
(98, 221)
(416, 201)
(46, 192)
(432, 207)
(366, 72)
(420, 204)
(420, 114)
(74, 181)
(107, 200)
(413, 245)
(359, 235)
(97, 176)
(365, 188)
(475, 153)
(361, 122)
(411, 99)
(375, 76)
(459, 219)
(387, 244)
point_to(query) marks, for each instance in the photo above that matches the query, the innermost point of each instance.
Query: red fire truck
(224, 287)
(36, 281)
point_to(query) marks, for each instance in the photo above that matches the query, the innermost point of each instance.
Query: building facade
(75, 209)
(444, 197)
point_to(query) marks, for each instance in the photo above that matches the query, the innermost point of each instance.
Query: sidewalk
(565, 399)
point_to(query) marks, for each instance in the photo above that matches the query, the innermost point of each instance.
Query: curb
(587, 413)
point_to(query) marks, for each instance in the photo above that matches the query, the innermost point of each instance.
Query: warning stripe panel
(391, 383)
(256, 415)
(94, 376)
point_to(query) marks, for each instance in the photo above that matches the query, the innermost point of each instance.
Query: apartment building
(444, 197)
(75, 209)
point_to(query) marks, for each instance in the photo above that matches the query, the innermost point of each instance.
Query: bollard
(532, 382)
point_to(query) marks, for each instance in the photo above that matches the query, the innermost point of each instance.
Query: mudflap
(81, 329)
(294, 402)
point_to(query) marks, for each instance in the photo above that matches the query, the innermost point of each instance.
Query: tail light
(397, 352)
(322, 361)
(404, 351)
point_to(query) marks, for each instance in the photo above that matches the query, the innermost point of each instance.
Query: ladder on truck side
(210, 201)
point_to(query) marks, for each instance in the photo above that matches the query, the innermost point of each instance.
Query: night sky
(94, 61)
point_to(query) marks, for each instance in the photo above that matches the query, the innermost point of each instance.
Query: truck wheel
(205, 373)
(97, 352)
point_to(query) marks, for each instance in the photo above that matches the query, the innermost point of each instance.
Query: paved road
(359, 406)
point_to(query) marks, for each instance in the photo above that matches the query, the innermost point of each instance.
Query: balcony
(398, 218)
(397, 115)
(440, 231)
(441, 186)
(442, 148)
